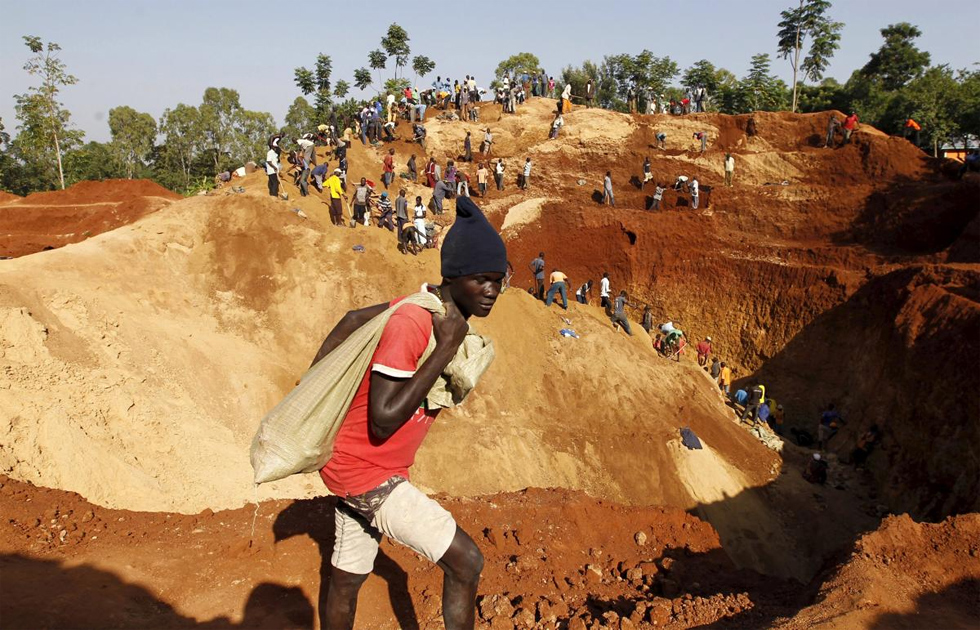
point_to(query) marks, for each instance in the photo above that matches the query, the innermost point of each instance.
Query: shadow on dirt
(914, 325)
(48, 594)
(915, 218)
(315, 518)
(954, 607)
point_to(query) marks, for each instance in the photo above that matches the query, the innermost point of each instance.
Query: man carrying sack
(390, 415)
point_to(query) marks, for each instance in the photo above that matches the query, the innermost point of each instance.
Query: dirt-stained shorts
(407, 516)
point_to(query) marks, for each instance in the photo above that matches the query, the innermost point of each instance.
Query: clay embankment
(781, 268)
(49, 220)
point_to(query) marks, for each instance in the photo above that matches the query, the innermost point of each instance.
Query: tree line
(189, 144)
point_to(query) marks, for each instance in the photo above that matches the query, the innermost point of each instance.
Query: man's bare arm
(393, 401)
(347, 325)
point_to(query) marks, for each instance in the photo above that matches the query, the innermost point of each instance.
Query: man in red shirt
(704, 349)
(388, 419)
(850, 123)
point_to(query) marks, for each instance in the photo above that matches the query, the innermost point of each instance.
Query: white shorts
(407, 516)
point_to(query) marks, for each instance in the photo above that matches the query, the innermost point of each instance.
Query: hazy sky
(153, 54)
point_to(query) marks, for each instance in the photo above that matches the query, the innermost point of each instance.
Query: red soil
(49, 220)
(6, 196)
(554, 559)
(547, 560)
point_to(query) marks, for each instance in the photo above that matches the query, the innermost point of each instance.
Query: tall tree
(644, 71)
(300, 118)
(899, 60)
(377, 60)
(341, 88)
(701, 73)
(362, 78)
(517, 64)
(182, 131)
(252, 131)
(422, 66)
(133, 135)
(44, 98)
(810, 21)
(395, 44)
(760, 90)
(316, 82)
(219, 111)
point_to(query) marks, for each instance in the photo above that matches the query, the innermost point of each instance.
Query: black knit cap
(472, 245)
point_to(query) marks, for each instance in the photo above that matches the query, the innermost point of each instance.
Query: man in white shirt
(272, 170)
(391, 107)
(729, 168)
(604, 292)
(526, 174)
(694, 193)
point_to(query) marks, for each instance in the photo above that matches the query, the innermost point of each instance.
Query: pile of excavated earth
(141, 350)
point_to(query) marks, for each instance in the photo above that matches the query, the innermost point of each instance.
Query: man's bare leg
(462, 564)
(342, 598)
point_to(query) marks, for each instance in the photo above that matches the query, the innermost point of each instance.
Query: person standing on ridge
(607, 190)
(388, 174)
(604, 293)
(467, 148)
(658, 195)
(498, 174)
(272, 170)
(695, 193)
(413, 173)
(725, 379)
(757, 396)
(401, 212)
(336, 193)
(647, 175)
(703, 349)
(850, 124)
(526, 174)
(481, 179)
(729, 169)
(589, 93)
(389, 419)
(832, 126)
(537, 269)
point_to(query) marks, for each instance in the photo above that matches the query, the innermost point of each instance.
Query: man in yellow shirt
(336, 192)
(725, 379)
(559, 284)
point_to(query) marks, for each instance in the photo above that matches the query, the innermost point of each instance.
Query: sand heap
(48, 220)
(140, 361)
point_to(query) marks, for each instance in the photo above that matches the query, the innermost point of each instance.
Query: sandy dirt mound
(53, 219)
(905, 575)
(6, 197)
(220, 286)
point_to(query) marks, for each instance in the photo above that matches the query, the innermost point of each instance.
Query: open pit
(138, 362)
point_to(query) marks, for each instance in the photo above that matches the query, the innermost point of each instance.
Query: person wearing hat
(816, 470)
(336, 193)
(388, 420)
(704, 349)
